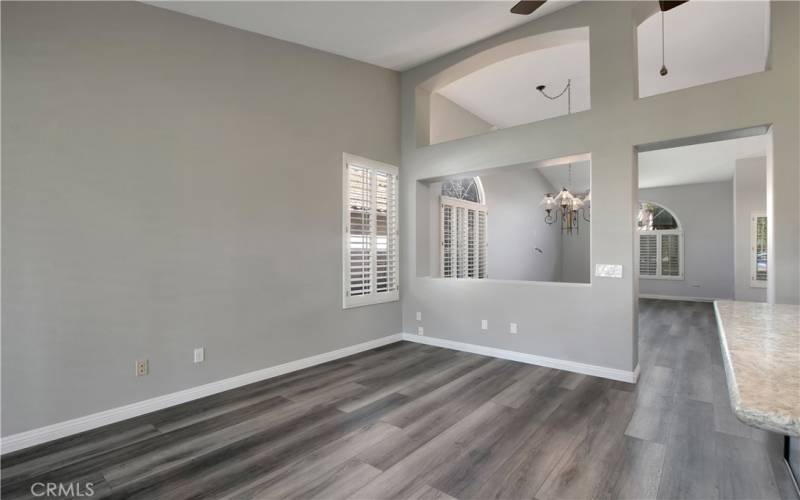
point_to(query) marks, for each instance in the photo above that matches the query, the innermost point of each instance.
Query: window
(467, 189)
(371, 250)
(660, 243)
(758, 250)
(462, 239)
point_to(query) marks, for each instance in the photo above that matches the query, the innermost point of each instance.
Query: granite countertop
(761, 349)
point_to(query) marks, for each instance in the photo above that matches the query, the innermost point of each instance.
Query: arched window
(660, 242)
(467, 189)
(462, 229)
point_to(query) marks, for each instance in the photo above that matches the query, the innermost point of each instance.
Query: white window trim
(659, 233)
(374, 297)
(754, 283)
(469, 205)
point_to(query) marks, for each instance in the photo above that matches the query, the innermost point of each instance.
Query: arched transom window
(466, 188)
(660, 242)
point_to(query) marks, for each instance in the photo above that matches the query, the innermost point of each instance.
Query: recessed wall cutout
(497, 89)
(703, 42)
(509, 223)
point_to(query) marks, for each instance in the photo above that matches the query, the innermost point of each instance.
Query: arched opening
(499, 88)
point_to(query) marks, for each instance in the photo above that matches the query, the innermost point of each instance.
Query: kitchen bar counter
(761, 350)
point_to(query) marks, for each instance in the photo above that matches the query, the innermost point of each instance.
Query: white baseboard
(41, 435)
(676, 297)
(531, 359)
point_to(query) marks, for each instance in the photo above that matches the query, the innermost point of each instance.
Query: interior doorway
(701, 226)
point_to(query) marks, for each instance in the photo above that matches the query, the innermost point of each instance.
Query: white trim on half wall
(678, 297)
(531, 359)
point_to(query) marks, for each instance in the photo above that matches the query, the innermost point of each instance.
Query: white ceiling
(392, 34)
(558, 176)
(504, 94)
(708, 162)
(705, 41)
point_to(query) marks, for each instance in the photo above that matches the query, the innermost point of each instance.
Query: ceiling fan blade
(670, 4)
(526, 7)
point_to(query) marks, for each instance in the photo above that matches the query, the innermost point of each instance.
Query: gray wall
(449, 121)
(705, 212)
(750, 195)
(594, 323)
(576, 261)
(170, 183)
(516, 226)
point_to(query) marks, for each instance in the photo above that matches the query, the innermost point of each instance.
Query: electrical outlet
(199, 355)
(420, 331)
(419, 316)
(142, 368)
(512, 328)
(484, 324)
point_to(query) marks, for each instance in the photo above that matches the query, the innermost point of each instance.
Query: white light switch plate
(484, 324)
(419, 316)
(199, 355)
(512, 328)
(608, 270)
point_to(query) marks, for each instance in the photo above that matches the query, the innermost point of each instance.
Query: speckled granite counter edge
(750, 416)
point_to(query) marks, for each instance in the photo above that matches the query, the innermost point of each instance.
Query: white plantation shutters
(758, 250)
(661, 254)
(462, 239)
(648, 254)
(670, 255)
(371, 249)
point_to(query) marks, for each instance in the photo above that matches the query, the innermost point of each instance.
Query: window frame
(659, 233)
(466, 205)
(374, 297)
(754, 282)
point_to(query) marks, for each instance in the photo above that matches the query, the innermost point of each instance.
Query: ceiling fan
(526, 7)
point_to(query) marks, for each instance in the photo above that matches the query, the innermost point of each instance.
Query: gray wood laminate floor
(413, 421)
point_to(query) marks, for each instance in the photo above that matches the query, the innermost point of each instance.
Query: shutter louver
(372, 266)
(463, 239)
(359, 202)
(386, 233)
(448, 258)
(670, 255)
(761, 248)
(648, 263)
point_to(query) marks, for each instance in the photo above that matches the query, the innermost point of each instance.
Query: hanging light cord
(567, 89)
(663, 71)
(663, 63)
(570, 176)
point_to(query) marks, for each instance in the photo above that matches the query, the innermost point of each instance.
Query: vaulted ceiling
(393, 34)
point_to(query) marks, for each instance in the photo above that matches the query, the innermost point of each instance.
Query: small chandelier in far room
(564, 205)
(567, 207)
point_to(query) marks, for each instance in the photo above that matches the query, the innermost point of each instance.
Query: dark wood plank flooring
(413, 421)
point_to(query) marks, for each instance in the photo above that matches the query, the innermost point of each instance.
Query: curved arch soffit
(502, 52)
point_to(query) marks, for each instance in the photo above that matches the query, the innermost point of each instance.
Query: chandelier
(565, 206)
